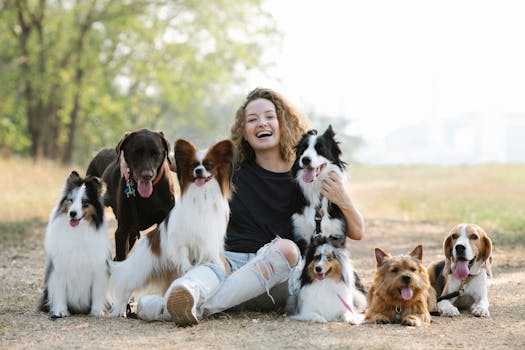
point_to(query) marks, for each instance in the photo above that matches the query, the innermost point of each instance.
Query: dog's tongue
(406, 293)
(320, 276)
(199, 181)
(461, 272)
(145, 189)
(74, 222)
(308, 175)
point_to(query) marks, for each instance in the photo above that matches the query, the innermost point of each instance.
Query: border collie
(78, 251)
(316, 156)
(328, 290)
(194, 230)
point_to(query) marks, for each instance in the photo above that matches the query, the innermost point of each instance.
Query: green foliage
(78, 74)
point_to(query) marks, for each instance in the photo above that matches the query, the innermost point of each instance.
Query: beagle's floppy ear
(486, 252)
(447, 249)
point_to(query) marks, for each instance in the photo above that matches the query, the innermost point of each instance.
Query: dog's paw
(59, 314)
(379, 319)
(117, 312)
(96, 312)
(449, 311)
(354, 318)
(412, 320)
(480, 311)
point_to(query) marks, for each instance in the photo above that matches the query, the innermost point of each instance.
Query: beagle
(461, 279)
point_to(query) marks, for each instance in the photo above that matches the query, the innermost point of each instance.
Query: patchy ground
(21, 326)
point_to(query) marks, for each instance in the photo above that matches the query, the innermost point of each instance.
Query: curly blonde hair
(292, 125)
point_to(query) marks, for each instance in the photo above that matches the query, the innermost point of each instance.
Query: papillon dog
(316, 156)
(193, 232)
(328, 289)
(78, 251)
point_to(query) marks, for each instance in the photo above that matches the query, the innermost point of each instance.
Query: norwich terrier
(401, 291)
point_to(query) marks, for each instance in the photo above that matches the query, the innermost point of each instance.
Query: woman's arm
(334, 191)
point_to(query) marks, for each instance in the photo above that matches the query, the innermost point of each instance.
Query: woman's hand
(334, 190)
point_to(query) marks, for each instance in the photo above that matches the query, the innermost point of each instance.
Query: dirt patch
(21, 326)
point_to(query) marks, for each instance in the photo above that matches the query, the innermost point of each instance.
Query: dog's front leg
(478, 290)
(121, 242)
(57, 290)
(309, 316)
(98, 293)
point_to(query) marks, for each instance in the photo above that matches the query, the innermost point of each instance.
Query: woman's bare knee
(289, 250)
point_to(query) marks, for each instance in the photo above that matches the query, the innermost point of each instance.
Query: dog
(401, 290)
(328, 292)
(194, 231)
(140, 187)
(78, 251)
(461, 279)
(316, 156)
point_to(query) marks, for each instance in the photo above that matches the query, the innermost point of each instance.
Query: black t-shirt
(261, 208)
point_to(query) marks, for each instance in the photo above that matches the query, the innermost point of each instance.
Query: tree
(115, 65)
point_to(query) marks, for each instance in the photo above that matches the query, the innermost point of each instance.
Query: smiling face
(261, 126)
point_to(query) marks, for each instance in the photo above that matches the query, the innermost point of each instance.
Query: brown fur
(220, 156)
(332, 265)
(394, 273)
(481, 245)
(146, 154)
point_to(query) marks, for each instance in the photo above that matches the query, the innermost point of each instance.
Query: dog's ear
(329, 132)
(447, 249)
(167, 146)
(184, 151)
(223, 151)
(380, 256)
(97, 184)
(73, 180)
(485, 252)
(417, 253)
(122, 142)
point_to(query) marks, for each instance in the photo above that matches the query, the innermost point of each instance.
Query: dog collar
(159, 175)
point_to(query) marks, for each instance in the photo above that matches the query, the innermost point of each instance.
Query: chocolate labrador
(139, 184)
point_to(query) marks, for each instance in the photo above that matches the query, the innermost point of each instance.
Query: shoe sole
(180, 304)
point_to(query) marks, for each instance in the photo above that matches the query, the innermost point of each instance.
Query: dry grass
(393, 199)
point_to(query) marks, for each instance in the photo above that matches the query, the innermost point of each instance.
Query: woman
(260, 254)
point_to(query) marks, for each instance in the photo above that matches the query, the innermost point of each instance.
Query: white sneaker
(182, 307)
(152, 308)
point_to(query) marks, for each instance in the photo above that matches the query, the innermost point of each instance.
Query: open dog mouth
(463, 267)
(201, 181)
(321, 276)
(310, 174)
(74, 222)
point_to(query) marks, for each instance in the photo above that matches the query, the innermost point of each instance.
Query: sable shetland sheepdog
(194, 230)
(78, 251)
(328, 292)
(316, 156)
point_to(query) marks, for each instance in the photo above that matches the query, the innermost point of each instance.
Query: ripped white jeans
(259, 281)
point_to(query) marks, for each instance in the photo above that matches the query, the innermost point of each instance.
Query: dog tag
(129, 191)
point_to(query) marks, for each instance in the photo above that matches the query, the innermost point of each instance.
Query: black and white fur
(78, 251)
(316, 156)
(328, 291)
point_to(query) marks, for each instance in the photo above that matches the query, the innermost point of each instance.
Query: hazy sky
(389, 63)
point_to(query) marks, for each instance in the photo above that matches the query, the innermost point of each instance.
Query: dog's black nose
(460, 249)
(318, 269)
(73, 214)
(406, 279)
(306, 161)
(198, 172)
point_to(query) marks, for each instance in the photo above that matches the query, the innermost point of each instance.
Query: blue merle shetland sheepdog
(329, 290)
(78, 251)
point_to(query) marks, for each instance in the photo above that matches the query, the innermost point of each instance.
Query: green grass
(492, 196)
